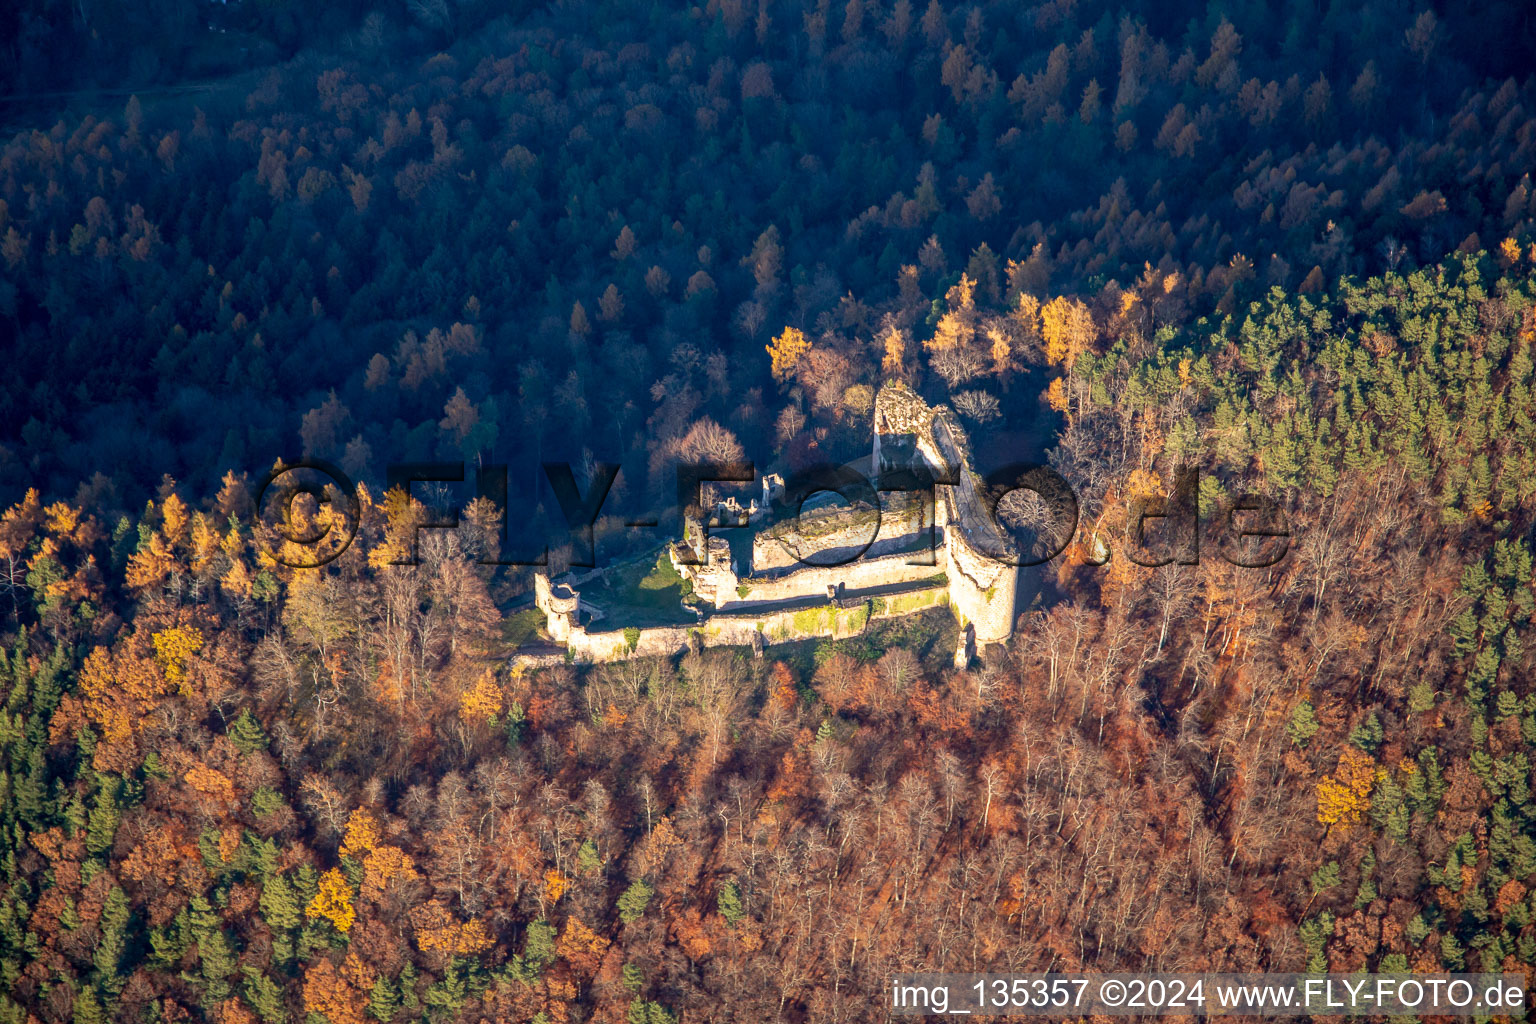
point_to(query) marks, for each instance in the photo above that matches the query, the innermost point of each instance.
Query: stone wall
(981, 590)
(713, 581)
(726, 629)
(830, 534)
(812, 580)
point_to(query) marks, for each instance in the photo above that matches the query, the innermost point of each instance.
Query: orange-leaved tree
(340, 994)
(581, 947)
(383, 865)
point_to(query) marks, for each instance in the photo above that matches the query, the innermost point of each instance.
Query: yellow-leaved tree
(1002, 350)
(362, 833)
(1067, 326)
(400, 517)
(957, 327)
(1056, 395)
(482, 701)
(172, 649)
(785, 351)
(173, 519)
(334, 901)
(1026, 315)
(150, 565)
(894, 340)
(1344, 795)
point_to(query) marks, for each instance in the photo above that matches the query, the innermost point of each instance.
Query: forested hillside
(1292, 251)
(239, 790)
(539, 223)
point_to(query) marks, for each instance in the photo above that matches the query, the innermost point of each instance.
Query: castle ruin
(831, 570)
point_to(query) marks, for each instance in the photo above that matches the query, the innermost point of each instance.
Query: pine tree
(407, 982)
(266, 801)
(1314, 936)
(645, 1012)
(384, 1000)
(452, 992)
(75, 815)
(217, 961)
(31, 789)
(108, 956)
(280, 906)
(1325, 877)
(728, 901)
(264, 995)
(1366, 894)
(88, 1009)
(1303, 724)
(169, 944)
(245, 732)
(1368, 734)
(633, 902)
(101, 826)
(539, 945)
(263, 855)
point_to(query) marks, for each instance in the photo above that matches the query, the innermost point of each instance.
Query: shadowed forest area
(1292, 247)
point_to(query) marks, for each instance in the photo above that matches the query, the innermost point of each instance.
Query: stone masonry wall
(736, 630)
(859, 575)
(977, 554)
(980, 590)
(899, 520)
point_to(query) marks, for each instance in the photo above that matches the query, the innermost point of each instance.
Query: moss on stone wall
(901, 604)
(810, 621)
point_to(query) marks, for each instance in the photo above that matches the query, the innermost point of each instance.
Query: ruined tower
(978, 556)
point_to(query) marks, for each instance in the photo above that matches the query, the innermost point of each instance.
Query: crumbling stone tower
(977, 555)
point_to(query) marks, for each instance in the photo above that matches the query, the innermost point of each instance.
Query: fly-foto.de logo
(1248, 531)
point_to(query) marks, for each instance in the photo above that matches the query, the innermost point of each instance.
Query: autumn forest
(1291, 246)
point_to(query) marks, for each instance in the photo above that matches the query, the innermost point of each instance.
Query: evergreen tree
(169, 944)
(633, 901)
(1303, 724)
(539, 945)
(108, 956)
(729, 902)
(1368, 734)
(245, 732)
(280, 905)
(383, 1000)
(645, 1012)
(216, 958)
(88, 1008)
(101, 825)
(587, 860)
(264, 995)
